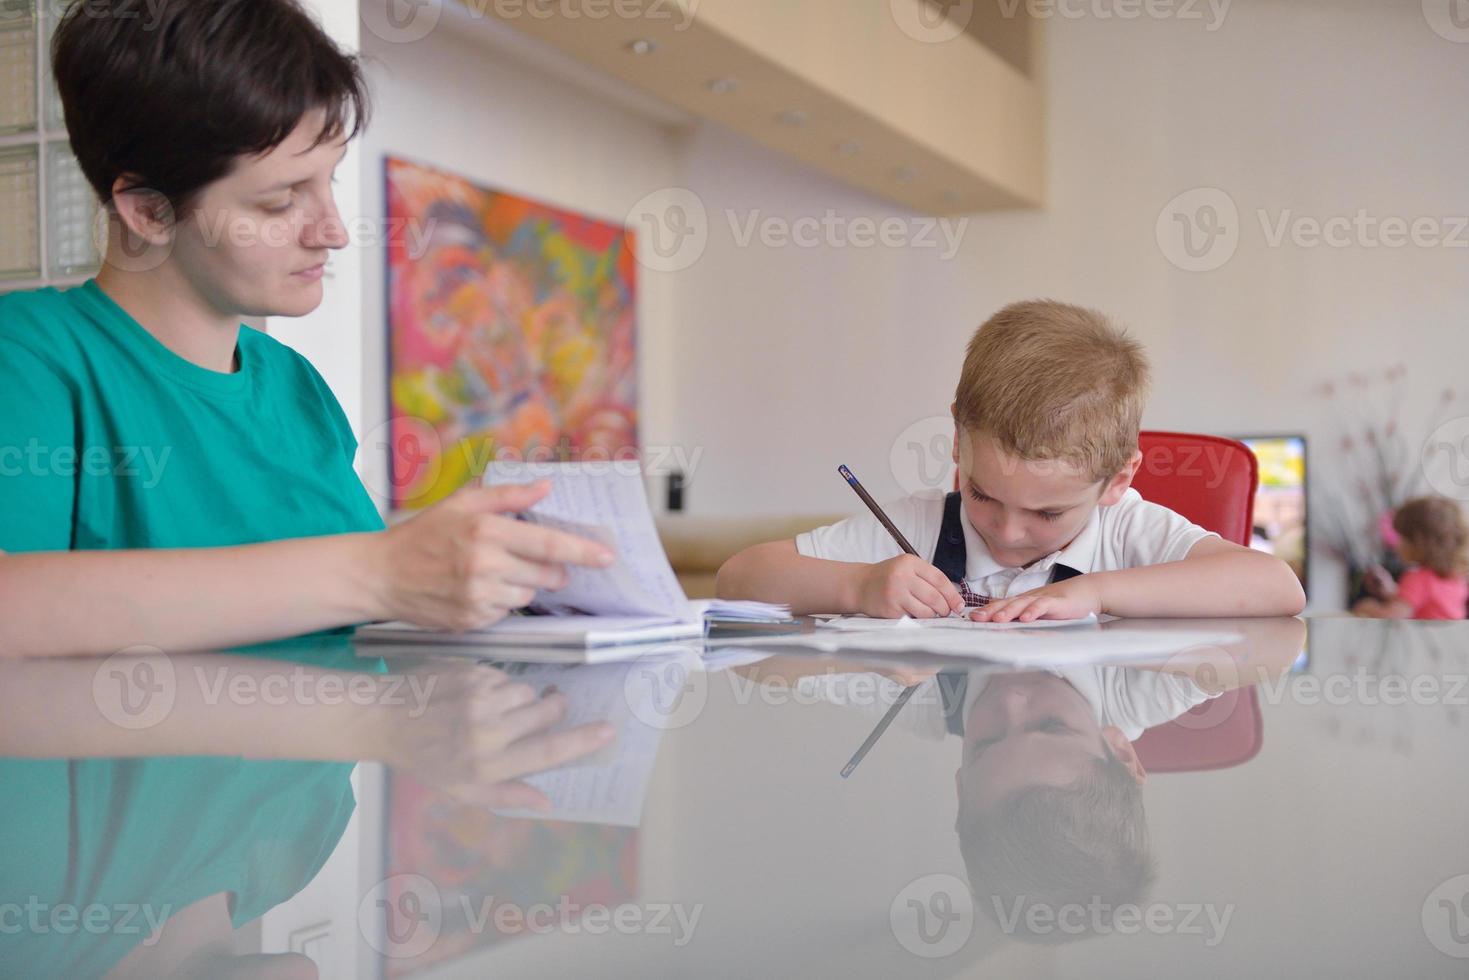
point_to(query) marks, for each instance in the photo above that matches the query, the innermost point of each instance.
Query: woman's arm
(99, 602)
(463, 728)
(459, 565)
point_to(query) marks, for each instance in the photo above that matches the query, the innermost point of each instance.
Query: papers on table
(1026, 648)
(637, 599)
(952, 622)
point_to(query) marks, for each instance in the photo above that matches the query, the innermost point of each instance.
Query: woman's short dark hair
(170, 92)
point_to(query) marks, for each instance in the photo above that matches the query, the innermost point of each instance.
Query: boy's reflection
(1050, 801)
(1049, 783)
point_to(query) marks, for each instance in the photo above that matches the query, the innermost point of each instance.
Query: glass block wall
(48, 212)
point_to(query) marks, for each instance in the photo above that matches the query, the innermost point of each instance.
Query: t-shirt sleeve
(862, 538)
(1145, 533)
(37, 453)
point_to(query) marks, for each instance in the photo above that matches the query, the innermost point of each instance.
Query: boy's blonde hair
(1048, 380)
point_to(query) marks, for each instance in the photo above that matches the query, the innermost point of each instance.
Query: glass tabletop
(1214, 798)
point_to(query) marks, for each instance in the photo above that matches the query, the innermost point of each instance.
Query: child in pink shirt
(1435, 542)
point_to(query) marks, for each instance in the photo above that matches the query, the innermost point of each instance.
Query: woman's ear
(145, 213)
(1120, 481)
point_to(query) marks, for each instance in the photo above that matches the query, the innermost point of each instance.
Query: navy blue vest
(951, 557)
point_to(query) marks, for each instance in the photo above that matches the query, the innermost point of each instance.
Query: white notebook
(636, 600)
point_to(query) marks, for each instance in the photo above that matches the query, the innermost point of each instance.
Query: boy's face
(1027, 509)
(1032, 730)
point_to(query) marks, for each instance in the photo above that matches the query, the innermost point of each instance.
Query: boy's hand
(906, 586)
(1072, 599)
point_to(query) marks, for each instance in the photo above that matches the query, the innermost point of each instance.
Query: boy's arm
(1217, 578)
(777, 572)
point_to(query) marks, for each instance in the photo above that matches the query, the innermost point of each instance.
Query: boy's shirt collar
(1080, 554)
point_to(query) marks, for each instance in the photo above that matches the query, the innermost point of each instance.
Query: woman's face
(257, 239)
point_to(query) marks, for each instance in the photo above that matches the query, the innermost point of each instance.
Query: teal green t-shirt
(109, 440)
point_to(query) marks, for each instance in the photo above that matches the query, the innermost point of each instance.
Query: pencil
(876, 510)
(882, 726)
(892, 529)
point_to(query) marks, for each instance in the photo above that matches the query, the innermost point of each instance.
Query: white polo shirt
(1130, 533)
(1129, 698)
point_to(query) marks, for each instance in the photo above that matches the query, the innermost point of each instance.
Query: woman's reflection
(137, 850)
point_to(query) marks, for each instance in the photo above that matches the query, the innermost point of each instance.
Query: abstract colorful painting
(466, 867)
(512, 333)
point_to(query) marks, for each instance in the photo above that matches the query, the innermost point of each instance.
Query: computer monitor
(1280, 525)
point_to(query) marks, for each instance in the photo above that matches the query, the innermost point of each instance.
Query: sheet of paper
(952, 622)
(608, 503)
(1017, 648)
(610, 786)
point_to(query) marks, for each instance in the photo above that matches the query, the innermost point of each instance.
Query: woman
(173, 479)
(168, 476)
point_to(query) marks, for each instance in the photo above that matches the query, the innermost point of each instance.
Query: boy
(1045, 523)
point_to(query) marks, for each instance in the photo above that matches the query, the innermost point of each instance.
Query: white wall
(794, 360)
(774, 364)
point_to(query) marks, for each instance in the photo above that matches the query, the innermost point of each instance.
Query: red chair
(1212, 482)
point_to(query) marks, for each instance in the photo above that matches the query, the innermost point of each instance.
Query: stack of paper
(636, 600)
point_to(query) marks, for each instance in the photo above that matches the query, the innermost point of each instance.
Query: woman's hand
(466, 562)
(476, 732)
